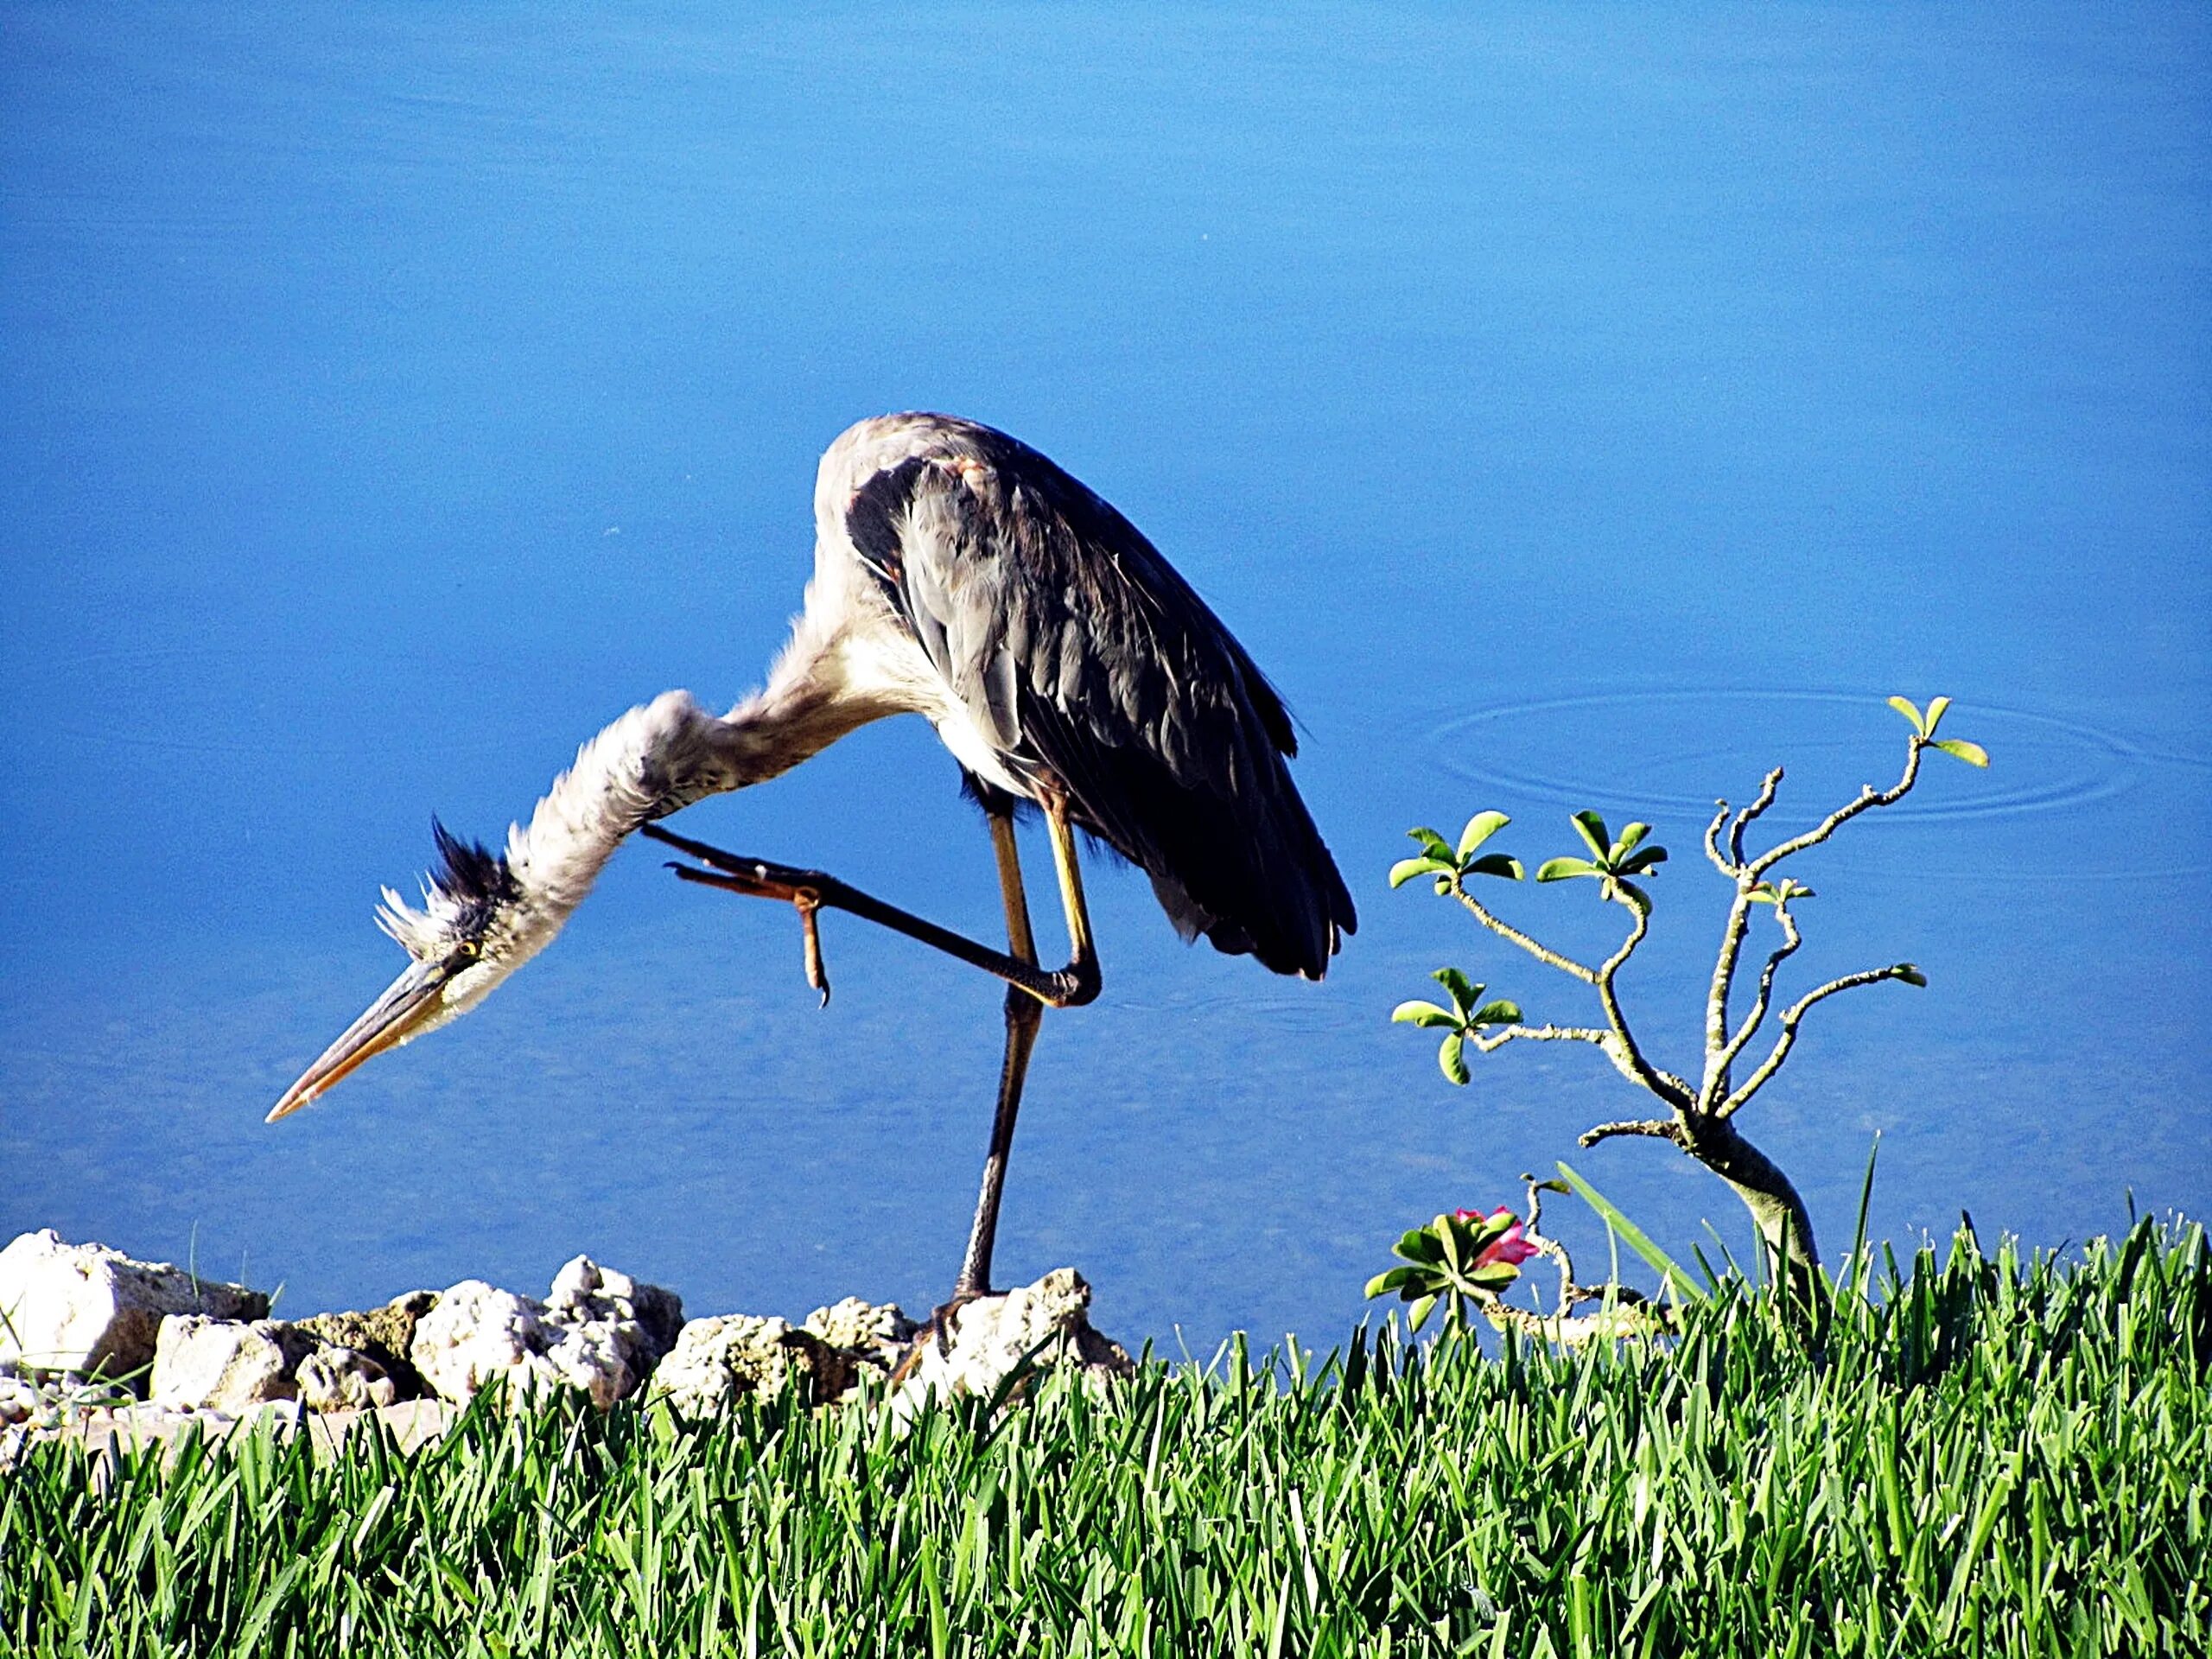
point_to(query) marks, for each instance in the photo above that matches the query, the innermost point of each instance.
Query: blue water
(1568, 406)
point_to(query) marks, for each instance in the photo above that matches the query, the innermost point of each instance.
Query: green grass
(1993, 1457)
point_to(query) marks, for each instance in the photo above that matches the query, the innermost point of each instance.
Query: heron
(961, 576)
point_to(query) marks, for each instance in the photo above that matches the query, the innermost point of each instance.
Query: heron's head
(476, 925)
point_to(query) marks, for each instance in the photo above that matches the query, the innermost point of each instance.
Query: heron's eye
(465, 952)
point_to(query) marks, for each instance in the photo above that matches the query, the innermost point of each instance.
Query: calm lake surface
(1569, 407)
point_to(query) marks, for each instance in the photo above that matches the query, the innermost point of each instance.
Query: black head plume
(471, 874)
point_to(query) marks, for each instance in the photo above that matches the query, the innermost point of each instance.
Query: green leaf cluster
(1784, 891)
(1612, 861)
(1468, 1017)
(1448, 863)
(1923, 726)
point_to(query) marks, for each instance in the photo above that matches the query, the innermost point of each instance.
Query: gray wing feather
(1094, 667)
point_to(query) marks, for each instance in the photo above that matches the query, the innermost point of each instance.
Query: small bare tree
(1699, 1116)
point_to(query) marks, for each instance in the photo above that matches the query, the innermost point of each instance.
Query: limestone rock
(608, 1330)
(90, 1309)
(715, 1359)
(870, 1331)
(18, 1400)
(601, 1331)
(384, 1335)
(477, 1332)
(343, 1379)
(1047, 1323)
(597, 1358)
(229, 1367)
(585, 1294)
(224, 1365)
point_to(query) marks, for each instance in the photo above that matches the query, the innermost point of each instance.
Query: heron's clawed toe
(809, 910)
(936, 1332)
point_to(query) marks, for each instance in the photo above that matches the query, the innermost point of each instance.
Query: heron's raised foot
(763, 876)
(811, 890)
(758, 878)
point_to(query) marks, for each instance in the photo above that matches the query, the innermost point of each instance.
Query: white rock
(583, 1291)
(879, 1332)
(227, 1364)
(616, 1316)
(476, 1333)
(600, 1330)
(1047, 1323)
(595, 1357)
(90, 1309)
(717, 1359)
(18, 1400)
(343, 1379)
(381, 1335)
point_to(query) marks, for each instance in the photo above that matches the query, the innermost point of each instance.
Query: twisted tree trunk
(1785, 1226)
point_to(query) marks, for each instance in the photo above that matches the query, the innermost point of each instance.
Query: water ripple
(2045, 764)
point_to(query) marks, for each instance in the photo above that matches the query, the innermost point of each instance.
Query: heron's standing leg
(1024, 1014)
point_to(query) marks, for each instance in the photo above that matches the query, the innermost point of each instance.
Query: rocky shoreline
(101, 1348)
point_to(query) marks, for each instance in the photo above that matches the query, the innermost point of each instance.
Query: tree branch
(1658, 1128)
(1724, 978)
(1542, 953)
(1744, 818)
(1720, 1064)
(1609, 1041)
(1732, 936)
(1626, 1313)
(1552, 1250)
(1627, 1317)
(1867, 798)
(1492, 1041)
(1796, 1012)
(1505, 1034)
(1670, 1089)
(1721, 1048)
(1712, 839)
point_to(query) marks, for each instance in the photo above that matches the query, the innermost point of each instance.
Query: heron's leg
(1024, 1014)
(814, 890)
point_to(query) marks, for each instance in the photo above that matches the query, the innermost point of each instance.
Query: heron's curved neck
(666, 754)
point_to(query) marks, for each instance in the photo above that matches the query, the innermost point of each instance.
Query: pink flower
(1511, 1247)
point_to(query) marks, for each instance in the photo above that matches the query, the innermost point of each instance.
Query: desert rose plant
(1698, 1114)
(1466, 1260)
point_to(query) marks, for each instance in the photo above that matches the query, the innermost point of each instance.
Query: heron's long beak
(407, 1008)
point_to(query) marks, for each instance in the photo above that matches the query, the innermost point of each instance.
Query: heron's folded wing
(1086, 659)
